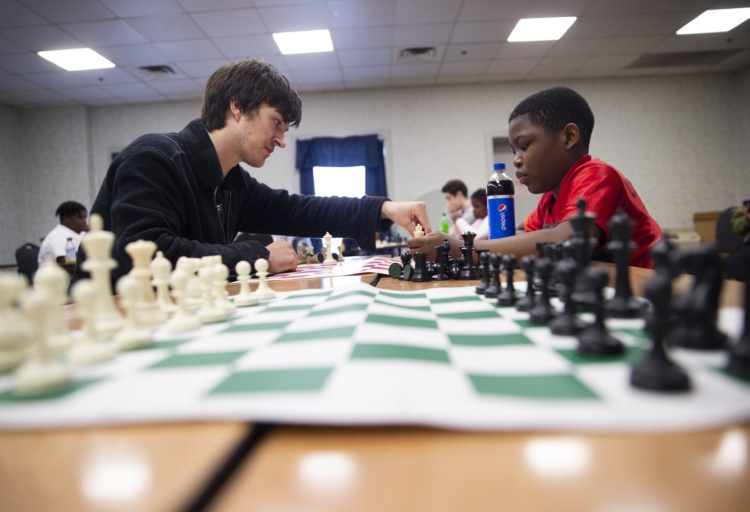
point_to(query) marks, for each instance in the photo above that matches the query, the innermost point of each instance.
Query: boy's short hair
(453, 187)
(481, 195)
(251, 83)
(69, 208)
(554, 108)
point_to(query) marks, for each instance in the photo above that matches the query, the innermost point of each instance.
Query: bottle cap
(499, 166)
(70, 239)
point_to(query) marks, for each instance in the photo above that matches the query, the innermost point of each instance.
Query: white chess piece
(208, 312)
(263, 291)
(245, 297)
(329, 253)
(97, 244)
(141, 253)
(221, 273)
(15, 330)
(40, 374)
(54, 280)
(160, 269)
(91, 348)
(193, 297)
(182, 320)
(132, 335)
(418, 231)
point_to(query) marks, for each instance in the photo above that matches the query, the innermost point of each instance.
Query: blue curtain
(364, 150)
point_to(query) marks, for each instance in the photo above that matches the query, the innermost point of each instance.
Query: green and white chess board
(357, 355)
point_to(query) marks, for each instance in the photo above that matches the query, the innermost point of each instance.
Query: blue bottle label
(502, 213)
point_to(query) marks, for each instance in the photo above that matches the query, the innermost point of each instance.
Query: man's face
(77, 222)
(259, 134)
(453, 202)
(541, 158)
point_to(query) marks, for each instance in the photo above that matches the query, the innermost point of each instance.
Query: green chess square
(268, 326)
(545, 387)
(743, 379)
(448, 300)
(353, 293)
(332, 333)
(198, 359)
(260, 381)
(401, 321)
(384, 351)
(631, 356)
(160, 345)
(488, 340)
(404, 306)
(641, 334)
(404, 297)
(469, 315)
(526, 324)
(342, 309)
(9, 396)
(294, 307)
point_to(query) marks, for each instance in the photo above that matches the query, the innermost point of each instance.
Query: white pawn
(221, 273)
(54, 280)
(418, 231)
(91, 349)
(263, 291)
(194, 297)
(160, 269)
(208, 312)
(15, 330)
(40, 374)
(132, 335)
(245, 297)
(140, 253)
(182, 320)
(329, 253)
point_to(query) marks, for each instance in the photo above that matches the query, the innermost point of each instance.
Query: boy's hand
(428, 243)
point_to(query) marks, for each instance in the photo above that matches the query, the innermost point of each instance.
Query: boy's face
(541, 158)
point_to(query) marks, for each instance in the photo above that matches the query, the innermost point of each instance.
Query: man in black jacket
(187, 192)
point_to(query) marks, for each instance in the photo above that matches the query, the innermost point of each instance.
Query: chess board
(348, 267)
(357, 355)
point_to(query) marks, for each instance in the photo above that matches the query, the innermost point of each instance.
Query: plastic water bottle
(444, 225)
(500, 205)
(70, 251)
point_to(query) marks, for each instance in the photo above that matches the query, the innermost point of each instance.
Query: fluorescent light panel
(77, 60)
(541, 29)
(308, 41)
(716, 20)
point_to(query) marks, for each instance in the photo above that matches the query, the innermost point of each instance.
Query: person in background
(457, 202)
(481, 224)
(737, 264)
(73, 223)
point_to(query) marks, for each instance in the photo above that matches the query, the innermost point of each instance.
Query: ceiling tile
(133, 55)
(59, 80)
(477, 51)
(174, 86)
(422, 35)
(311, 61)
(479, 31)
(293, 18)
(198, 49)
(524, 50)
(577, 47)
(130, 90)
(17, 15)
(246, 46)
(681, 5)
(599, 26)
(355, 38)
(320, 86)
(201, 68)
(593, 73)
(106, 76)
(372, 57)
(213, 5)
(560, 63)
(512, 66)
(368, 84)
(104, 33)
(507, 77)
(41, 97)
(659, 23)
(322, 75)
(476, 67)
(427, 11)
(12, 83)
(278, 61)
(415, 70)
(361, 14)
(84, 94)
(637, 44)
(609, 62)
(618, 7)
(368, 73)
(27, 63)
(483, 10)
(60, 11)
(8, 47)
(551, 8)
(548, 75)
(167, 27)
(701, 42)
(271, 3)
(239, 22)
(134, 8)
(41, 37)
(412, 81)
(459, 79)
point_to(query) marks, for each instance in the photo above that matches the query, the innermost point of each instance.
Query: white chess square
(509, 360)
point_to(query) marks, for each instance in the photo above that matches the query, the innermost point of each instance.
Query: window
(339, 181)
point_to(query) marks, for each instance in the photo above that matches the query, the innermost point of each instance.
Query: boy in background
(549, 134)
(73, 223)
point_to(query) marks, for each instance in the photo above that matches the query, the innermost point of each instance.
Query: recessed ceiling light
(77, 60)
(716, 20)
(309, 41)
(540, 29)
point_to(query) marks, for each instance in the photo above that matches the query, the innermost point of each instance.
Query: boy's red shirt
(605, 190)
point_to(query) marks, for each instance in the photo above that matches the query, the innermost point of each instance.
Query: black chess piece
(594, 339)
(405, 262)
(656, 372)
(580, 239)
(394, 270)
(542, 312)
(493, 290)
(508, 296)
(469, 270)
(430, 267)
(483, 257)
(739, 354)
(526, 302)
(623, 304)
(420, 268)
(454, 270)
(566, 323)
(446, 253)
(551, 251)
(441, 271)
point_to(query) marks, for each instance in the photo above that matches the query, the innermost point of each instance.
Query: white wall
(682, 140)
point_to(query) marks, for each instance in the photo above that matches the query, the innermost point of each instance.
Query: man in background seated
(457, 202)
(481, 224)
(737, 264)
(73, 217)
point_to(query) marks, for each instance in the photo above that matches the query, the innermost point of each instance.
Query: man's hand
(282, 257)
(427, 244)
(406, 215)
(455, 215)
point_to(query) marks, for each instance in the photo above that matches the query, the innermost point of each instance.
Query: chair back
(27, 260)
(726, 239)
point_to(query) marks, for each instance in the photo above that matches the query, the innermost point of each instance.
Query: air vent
(162, 72)
(680, 59)
(419, 54)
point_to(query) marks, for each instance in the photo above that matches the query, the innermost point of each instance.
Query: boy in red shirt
(549, 133)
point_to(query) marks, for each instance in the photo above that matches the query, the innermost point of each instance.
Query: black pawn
(508, 296)
(469, 270)
(406, 264)
(420, 268)
(623, 304)
(656, 372)
(595, 340)
(454, 270)
(739, 354)
(483, 257)
(493, 290)
(439, 268)
(567, 323)
(526, 302)
(542, 312)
